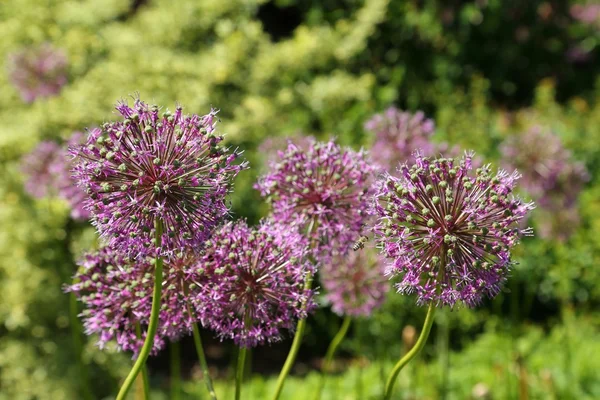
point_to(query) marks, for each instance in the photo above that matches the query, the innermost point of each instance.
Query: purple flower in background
(398, 134)
(588, 14)
(117, 296)
(550, 176)
(66, 185)
(38, 166)
(249, 283)
(48, 168)
(38, 71)
(323, 190)
(273, 147)
(447, 232)
(355, 283)
(166, 166)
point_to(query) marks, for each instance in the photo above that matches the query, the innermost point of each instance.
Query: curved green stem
(153, 324)
(145, 379)
(239, 373)
(291, 358)
(175, 354)
(202, 359)
(335, 343)
(389, 387)
(78, 345)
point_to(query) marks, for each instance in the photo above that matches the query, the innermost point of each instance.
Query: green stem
(389, 387)
(337, 340)
(78, 345)
(202, 359)
(153, 324)
(239, 374)
(175, 354)
(443, 342)
(291, 358)
(145, 379)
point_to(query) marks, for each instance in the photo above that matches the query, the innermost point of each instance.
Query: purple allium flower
(48, 168)
(272, 147)
(152, 166)
(249, 284)
(117, 296)
(38, 71)
(355, 283)
(398, 134)
(447, 232)
(175, 319)
(323, 189)
(550, 176)
(588, 14)
(38, 166)
(65, 184)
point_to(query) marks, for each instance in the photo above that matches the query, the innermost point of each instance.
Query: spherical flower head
(117, 297)
(449, 232)
(273, 147)
(38, 71)
(323, 190)
(155, 166)
(250, 283)
(66, 186)
(38, 167)
(588, 14)
(355, 283)
(550, 176)
(398, 134)
(177, 316)
(48, 170)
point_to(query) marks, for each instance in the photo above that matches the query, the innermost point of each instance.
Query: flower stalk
(389, 387)
(153, 324)
(335, 343)
(239, 374)
(175, 353)
(202, 360)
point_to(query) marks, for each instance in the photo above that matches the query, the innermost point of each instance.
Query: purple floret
(150, 166)
(323, 190)
(39, 167)
(449, 232)
(550, 176)
(48, 170)
(355, 284)
(398, 134)
(38, 71)
(250, 283)
(117, 295)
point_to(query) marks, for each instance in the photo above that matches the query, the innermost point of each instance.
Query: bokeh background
(486, 72)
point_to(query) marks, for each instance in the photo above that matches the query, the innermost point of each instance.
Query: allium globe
(323, 189)
(38, 167)
(117, 295)
(249, 284)
(398, 134)
(355, 284)
(38, 71)
(550, 175)
(155, 166)
(449, 232)
(48, 169)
